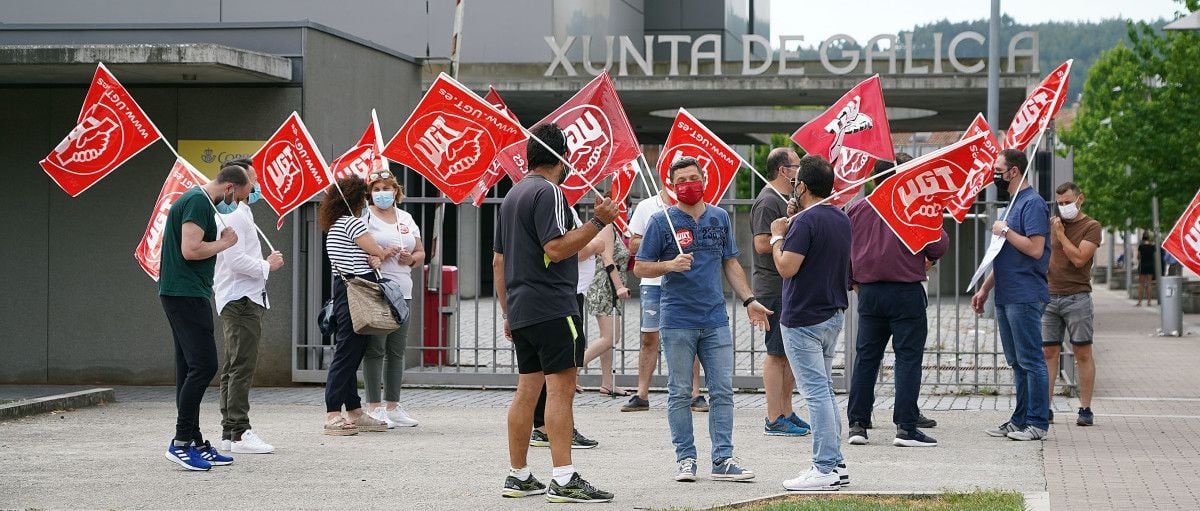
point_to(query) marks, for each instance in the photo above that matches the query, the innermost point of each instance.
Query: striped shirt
(344, 254)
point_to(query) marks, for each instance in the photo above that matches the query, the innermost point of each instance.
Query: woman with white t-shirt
(383, 364)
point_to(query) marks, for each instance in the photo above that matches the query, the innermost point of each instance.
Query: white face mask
(1069, 211)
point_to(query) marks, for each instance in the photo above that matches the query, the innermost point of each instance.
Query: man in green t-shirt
(189, 254)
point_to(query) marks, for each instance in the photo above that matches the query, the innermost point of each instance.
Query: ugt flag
(364, 157)
(622, 183)
(976, 182)
(1183, 241)
(911, 202)
(452, 137)
(599, 137)
(181, 179)
(857, 121)
(511, 159)
(290, 168)
(690, 138)
(850, 172)
(110, 130)
(1035, 113)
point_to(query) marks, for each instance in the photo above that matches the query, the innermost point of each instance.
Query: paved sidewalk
(111, 457)
(1144, 451)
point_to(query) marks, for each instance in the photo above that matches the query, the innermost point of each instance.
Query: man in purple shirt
(891, 303)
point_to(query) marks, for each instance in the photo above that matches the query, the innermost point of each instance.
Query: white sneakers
(250, 444)
(814, 480)
(400, 418)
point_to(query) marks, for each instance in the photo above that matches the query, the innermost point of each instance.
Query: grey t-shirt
(767, 207)
(533, 213)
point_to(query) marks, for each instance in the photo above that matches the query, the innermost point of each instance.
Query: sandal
(613, 392)
(340, 427)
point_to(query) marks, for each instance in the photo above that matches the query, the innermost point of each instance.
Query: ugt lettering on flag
(183, 177)
(364, 157)
(911, 201)
(1183, 241)
(1035, 113)
(599, 138)
(111, 129)
(976, 182)
(290, 168)
(452, 137)
(690, 138)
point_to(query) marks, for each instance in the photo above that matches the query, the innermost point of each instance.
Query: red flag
(850, 171)
(688, 137)
(911, 202)
(511, 159)
(599, 137)
(1035, 113)
(1183, 241)
(622, 183)
(291, 169)
(452, 137)
(857, 121)
(181, 179)
(364, 157)
(110, 130)
(977, 181)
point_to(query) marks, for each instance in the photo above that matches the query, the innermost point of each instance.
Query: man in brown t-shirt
(1074, 238)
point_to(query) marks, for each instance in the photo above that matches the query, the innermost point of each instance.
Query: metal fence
(467, 346)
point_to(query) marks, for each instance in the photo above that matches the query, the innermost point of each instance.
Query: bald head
(781, 158)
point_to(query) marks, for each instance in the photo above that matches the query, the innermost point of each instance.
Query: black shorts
(550, 346)
(774, 336)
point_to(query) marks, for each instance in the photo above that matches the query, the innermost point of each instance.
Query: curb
(1034, 501)
(26, 407)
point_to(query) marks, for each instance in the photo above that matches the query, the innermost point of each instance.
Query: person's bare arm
(652, 269)
(573, 241)
(1031, 246)
(635, 243)
(501, 292)
(194, 248)
(762, 243)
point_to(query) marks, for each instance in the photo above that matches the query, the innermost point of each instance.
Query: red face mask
(690, 192)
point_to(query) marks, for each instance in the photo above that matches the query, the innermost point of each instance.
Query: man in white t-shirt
(240, 290)
(649, 295)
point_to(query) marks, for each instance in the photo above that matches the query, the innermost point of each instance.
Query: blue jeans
(1021, 336)
(714, 346)
(810, 351)
(650, 296)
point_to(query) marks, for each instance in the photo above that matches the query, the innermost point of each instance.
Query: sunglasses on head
(380, 174)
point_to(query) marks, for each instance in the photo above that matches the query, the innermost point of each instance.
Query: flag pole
(434, 280)
(894, 168)
(658, 193)
(762, 177)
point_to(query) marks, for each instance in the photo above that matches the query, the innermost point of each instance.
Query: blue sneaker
(187, 457)
(729, 469)
(212, 456)
(795, 419)
(783, 427)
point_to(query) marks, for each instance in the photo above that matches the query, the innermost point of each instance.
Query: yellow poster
(208, 155)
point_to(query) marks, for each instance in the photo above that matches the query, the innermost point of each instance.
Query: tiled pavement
(1144, 451)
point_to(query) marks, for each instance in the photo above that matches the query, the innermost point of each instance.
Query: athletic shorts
(774, 336)
(650, 297)
(550, 346)
(1068, 317)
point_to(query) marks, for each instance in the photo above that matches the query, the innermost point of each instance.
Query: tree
(1141, 108)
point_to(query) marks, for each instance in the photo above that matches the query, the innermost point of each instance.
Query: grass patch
(973, 501)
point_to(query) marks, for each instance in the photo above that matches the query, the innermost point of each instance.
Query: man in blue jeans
(1019, 278)
(694, 322)
(812, 255)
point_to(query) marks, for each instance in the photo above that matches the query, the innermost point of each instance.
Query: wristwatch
(775, 239)
(1004, 232)
(749, 301)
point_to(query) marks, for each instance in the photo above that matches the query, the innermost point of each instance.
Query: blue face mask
(383, 199)
(255, 194)
(225, 207)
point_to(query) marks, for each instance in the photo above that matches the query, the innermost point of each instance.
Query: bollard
(1171, 302)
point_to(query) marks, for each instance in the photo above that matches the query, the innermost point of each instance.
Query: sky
(819, 19)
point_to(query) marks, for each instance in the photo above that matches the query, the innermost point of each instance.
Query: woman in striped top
(350, 248)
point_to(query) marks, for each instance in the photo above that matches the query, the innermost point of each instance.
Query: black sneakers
(1086, 417)
(576, 490)
(858, 434)
(924, 422)
(913, 438)
(636, 404)
(578, 441)
(516, 488)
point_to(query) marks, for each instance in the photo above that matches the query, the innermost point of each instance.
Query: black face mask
(566, 172)
(1000, 182)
